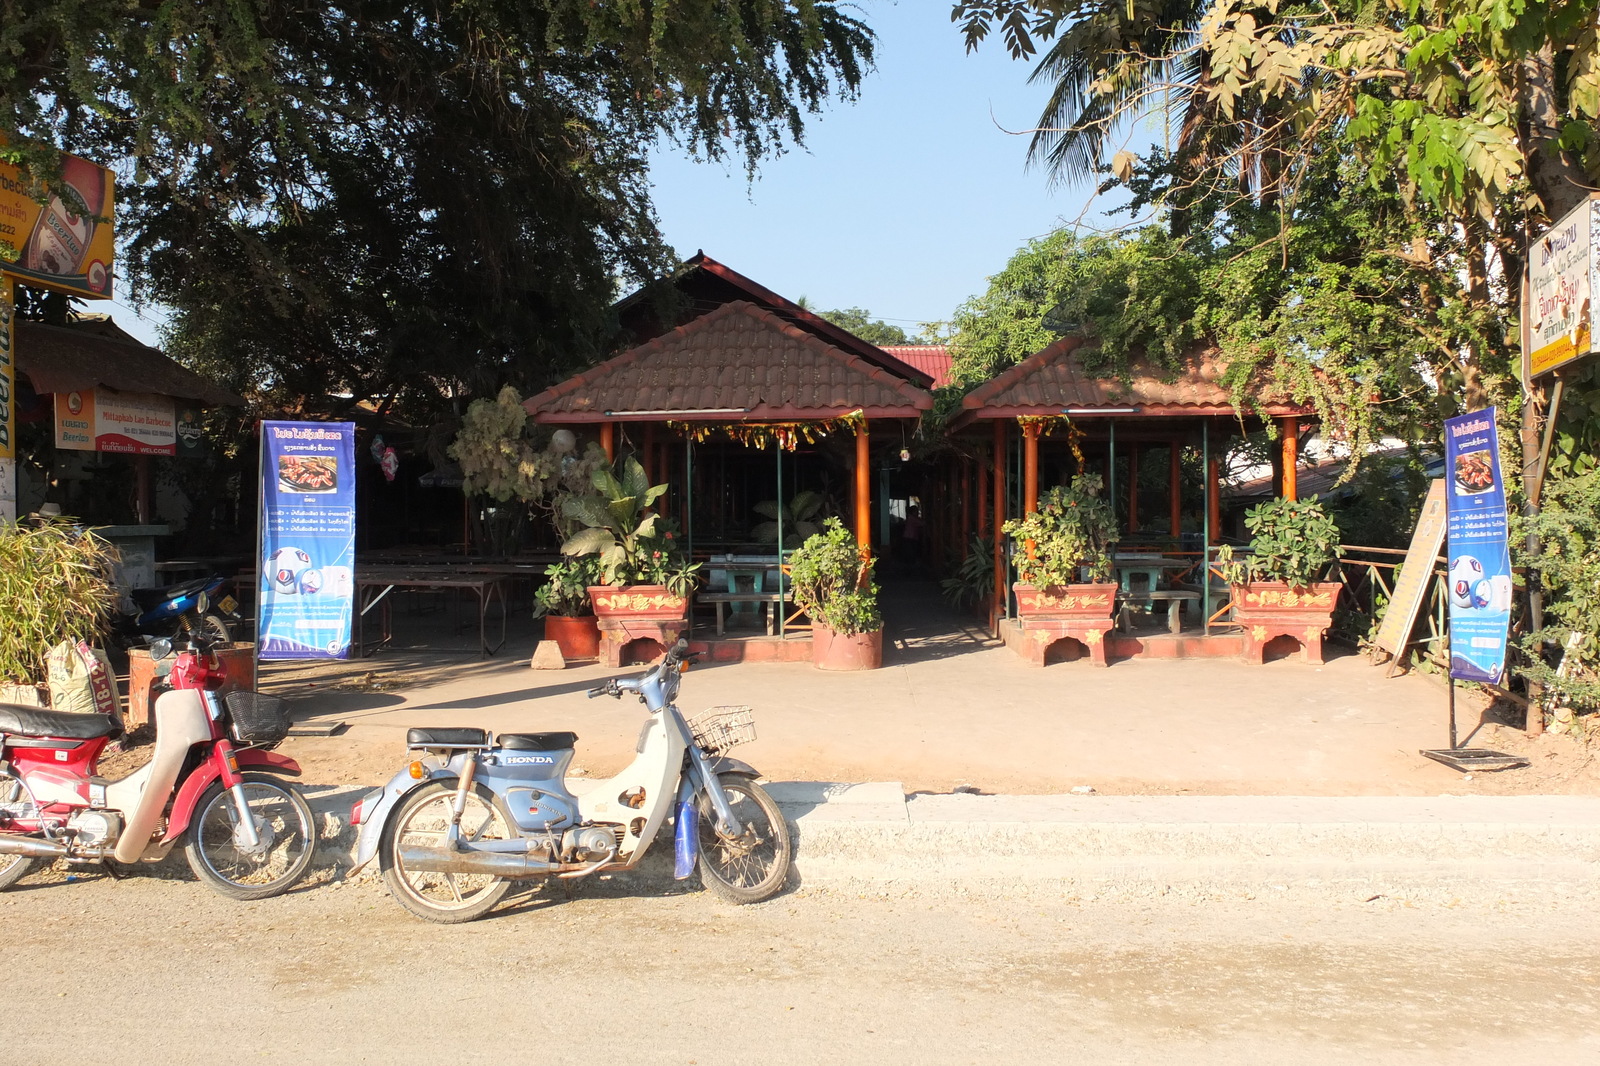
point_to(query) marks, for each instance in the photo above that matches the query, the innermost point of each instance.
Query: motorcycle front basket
(257, 721)
(722, 728)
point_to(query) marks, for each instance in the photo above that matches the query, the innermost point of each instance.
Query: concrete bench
(767, 600)
(1174, 599)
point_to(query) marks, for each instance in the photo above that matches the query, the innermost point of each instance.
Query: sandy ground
(951, 709)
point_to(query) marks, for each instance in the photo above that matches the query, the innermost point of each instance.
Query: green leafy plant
(833, 581)
(565, 593)
(1568, 527)
(56, 583)
(801, 518)
(1293, 541)
(630, 542)
(973, 581)
(1071, 533)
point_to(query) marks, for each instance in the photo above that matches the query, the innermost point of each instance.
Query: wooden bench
(1174, 599)
(767, 600)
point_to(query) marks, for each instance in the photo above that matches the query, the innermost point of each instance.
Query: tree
(869, 329)
(394, 198)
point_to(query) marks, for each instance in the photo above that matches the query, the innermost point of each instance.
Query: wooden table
(487, 587)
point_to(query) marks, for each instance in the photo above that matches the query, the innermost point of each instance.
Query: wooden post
(143, 508)
(1214, 495)
(863, 489)
(608, 440)
(983, 498)
(966, 507)
(1030, 468)
(999, 597)
(1291, 456)
(1175, 489)
(1133, 487)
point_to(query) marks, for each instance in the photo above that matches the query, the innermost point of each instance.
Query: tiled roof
(932, 359)
(737, 362)
(95, 353)
(1053, 380)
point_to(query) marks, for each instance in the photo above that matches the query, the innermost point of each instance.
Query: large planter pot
(859, 651)
(578, 638)
(637, 601)
(1066, 601)
(1270, 609)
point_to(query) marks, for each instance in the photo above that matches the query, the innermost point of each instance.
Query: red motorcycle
(212, 781)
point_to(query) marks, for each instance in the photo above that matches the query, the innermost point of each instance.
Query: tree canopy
(390, 197)
(863, 325)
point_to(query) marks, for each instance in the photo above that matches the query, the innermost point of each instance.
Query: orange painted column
(1030, 468)
(608, 440)
(1290, 431)
(998, 598)
(1214, 496)
(863, 490)
(1175, 489)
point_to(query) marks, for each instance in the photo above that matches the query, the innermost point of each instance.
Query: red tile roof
(95, 353)
(932, 359)
(1053, 380)
(738, 362)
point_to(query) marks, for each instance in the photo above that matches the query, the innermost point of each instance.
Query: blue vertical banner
(1479, 551)
(308, 540)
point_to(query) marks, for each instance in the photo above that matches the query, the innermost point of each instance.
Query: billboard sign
(105, 420)
(62, 244)
(1563, 281)
(308, 537)
(1480, 558)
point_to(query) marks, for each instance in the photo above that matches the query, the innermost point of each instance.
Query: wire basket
(723, 728)
(257, 721)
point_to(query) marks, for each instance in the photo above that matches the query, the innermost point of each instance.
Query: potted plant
(568, 612)
(1063, 554)
(1278, 590)
(56, 584)
(642, 572)
(833, 584)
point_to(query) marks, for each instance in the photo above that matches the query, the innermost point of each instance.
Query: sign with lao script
(308, 540)
(105, 420)
(1416, 574)
(1480, 555)
(1563, 283)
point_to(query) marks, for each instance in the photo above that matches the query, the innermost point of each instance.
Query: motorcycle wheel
(422, 821)
(215, 629)
(753, 866)
(284, 823)
(13, 868)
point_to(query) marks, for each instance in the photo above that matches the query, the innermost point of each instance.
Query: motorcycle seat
(37, 722)
(537, 741)
(428, 737)
(155, 597)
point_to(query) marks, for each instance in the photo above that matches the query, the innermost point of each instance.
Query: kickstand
(112, 871)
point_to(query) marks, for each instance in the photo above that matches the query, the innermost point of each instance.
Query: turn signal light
(416, 770)
(233, 762)
(683, 667)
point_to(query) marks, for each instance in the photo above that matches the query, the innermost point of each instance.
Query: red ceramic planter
(1066, 601)
(860, 651)
(637, 601)
(578, 638)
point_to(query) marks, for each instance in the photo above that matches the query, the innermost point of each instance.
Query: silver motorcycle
(471, 813)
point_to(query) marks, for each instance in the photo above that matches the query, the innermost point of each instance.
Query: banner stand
(1469, 759)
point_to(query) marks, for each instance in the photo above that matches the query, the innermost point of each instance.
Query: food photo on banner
(308, 540)
(1479, 553)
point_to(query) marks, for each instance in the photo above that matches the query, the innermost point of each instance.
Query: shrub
(833, 581)
(56, 583)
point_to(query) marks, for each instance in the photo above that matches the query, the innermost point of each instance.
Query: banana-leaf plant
(801, 519)
(616, 524)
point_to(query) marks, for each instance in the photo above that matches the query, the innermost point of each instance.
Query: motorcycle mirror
(201, 602)
(160, 648)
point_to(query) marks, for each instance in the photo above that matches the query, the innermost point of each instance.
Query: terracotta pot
(637, 601)
(1066, 601)
(239, 660)
(578, 638)
(860, 651)
(1275, 599)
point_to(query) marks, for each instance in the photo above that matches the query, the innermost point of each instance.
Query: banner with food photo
(1478, 548)
(308, 536)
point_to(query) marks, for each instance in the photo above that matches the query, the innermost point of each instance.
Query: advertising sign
(308, 540)
(60, 244)
(1480, 557)
(104, 420)
(1416, 574)
(1563, 278)
(8, 404)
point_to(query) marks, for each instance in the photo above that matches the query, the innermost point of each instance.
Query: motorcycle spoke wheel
(753, 865)
(215, 630)
(423, 821)
(14, 800)
(221, 856)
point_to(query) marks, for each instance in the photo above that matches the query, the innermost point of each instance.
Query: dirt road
(162, 971)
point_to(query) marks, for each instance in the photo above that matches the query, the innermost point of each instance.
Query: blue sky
(902, 203)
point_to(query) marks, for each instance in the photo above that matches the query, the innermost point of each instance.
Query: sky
(902, 203)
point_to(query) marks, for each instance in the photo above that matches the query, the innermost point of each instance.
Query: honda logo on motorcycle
(525, 760)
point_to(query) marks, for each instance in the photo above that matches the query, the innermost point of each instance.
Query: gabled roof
(708, 284)
(1053, 381)
(931, 359)
(739, 362)
(94, 353)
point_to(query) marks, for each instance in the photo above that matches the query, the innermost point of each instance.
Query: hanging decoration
(785, 435)
(1048, 424)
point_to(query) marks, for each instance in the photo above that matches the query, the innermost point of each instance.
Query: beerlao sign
(1561, 305)
(63, 244)
(104, 420)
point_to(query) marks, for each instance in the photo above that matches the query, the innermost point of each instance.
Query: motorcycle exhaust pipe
(489, 863)
(32, 847)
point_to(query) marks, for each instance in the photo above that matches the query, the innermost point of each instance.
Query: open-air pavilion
(1158, 440)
